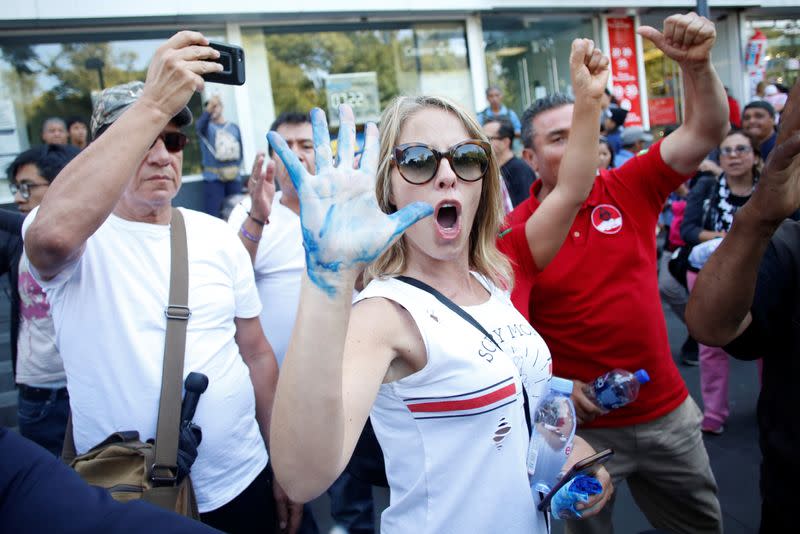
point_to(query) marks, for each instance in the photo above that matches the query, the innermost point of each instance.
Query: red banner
(662, 111)
(624, 67)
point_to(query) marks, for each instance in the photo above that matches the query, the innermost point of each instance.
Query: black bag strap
(165, 464)
(471, 320)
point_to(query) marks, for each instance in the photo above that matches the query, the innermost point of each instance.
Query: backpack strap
(208, 145)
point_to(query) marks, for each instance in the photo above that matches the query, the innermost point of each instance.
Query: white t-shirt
(280, 262)
(38, 361)
(108, 311)
(453, 434)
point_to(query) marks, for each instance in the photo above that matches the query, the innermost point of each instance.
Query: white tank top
(453, 434)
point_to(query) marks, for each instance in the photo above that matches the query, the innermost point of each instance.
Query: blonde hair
(484, 257)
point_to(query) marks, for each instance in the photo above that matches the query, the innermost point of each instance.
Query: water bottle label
(532, 454)
(605, 394)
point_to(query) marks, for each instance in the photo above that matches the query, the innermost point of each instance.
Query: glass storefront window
(42, 80)
(527, 57)
(367, 67)
(664, 87)
(782, 51)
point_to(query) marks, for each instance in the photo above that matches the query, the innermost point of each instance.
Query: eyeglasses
(738, 149)
(418, 163)
(173, 141)
(24, 189)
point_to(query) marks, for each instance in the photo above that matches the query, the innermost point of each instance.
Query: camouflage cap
(113, 102)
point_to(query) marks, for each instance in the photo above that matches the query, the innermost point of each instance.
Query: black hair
(506, 129)
(75, 120)
(553, 101)
(288, 117)
(604, 140)
(100, 131)
(671, 129)
(760, 104)
(49, 160)
(617, 116)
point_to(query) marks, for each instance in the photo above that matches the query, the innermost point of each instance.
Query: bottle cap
(562, 385)
(642, 376)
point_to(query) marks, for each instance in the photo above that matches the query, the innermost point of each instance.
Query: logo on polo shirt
(607, 219)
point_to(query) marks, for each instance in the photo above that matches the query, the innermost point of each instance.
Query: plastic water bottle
(616, 388)
(551, 440)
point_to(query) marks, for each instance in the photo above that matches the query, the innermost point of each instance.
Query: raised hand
(343, 226)
(176, 71)
(262, 187)
(685, 38)
(778, 193)
(589, 69)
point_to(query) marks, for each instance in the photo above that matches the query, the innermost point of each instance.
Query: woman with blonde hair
(445, 400)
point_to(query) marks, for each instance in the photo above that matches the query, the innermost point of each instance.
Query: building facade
(56, 55)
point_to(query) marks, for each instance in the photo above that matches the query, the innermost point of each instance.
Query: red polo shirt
(597, 303)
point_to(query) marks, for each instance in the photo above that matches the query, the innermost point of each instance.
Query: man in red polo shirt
(597, 303)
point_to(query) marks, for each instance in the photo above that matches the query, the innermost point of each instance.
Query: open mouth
(448, 220)
(447, 217)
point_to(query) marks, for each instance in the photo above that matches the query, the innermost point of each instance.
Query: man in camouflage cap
(100, 245)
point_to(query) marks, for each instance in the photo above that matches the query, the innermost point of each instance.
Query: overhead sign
(359, 90)
(624, 67)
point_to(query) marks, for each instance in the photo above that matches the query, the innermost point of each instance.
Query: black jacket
(10, 253)
(696, 214)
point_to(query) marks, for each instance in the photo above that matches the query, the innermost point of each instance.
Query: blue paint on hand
(343, 227)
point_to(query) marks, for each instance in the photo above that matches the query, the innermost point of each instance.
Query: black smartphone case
(232, 59)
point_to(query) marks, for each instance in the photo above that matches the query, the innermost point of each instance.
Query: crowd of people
(325, 303)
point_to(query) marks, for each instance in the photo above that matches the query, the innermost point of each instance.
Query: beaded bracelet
(248, 235)
(258, 221)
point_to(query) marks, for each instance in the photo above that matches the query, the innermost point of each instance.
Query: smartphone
(232, 59)
(587, 466)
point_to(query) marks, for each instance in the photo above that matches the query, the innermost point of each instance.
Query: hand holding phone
(587, 466)
(231, 58)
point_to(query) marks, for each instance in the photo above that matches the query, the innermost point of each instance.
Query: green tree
(61, 85)
(300, 62)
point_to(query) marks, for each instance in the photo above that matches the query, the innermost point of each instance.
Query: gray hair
(553, 101)
(48, 120)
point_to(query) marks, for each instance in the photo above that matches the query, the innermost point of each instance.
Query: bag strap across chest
(164, 470)
(458, 310)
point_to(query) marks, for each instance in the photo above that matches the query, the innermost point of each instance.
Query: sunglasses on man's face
(173, 141)
(418, 163)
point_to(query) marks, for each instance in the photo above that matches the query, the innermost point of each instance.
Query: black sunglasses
(173, 141)
(418, 163)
